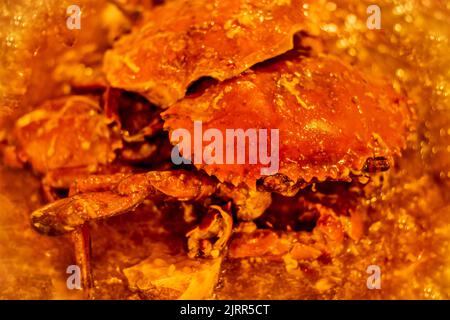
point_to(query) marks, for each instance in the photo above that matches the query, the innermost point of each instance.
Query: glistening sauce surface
(408, 230)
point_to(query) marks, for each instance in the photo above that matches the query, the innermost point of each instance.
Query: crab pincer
(116, 194)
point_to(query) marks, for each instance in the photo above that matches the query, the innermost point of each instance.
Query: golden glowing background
(410, 215)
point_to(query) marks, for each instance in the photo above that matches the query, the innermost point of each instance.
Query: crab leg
(118, 194)
(102, 196)
(96, 183)
(81, 241)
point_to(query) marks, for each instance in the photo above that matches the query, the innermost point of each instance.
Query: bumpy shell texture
(330, 117)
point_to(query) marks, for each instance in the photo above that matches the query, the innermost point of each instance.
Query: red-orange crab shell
(331, 118)
(185, 40)
(69, 132)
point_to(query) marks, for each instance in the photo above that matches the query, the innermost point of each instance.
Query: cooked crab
(183, 41)
(333, 122)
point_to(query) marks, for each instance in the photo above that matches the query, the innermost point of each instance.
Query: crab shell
(69, 132)
(330, 117)
(183, 41)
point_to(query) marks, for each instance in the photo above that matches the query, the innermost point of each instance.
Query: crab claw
(105, 196)
(67, 214)
(54, 218)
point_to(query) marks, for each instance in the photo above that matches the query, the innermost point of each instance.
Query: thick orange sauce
(407, 218)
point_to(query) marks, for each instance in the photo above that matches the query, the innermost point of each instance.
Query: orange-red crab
(333, 122)
(183, 41)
